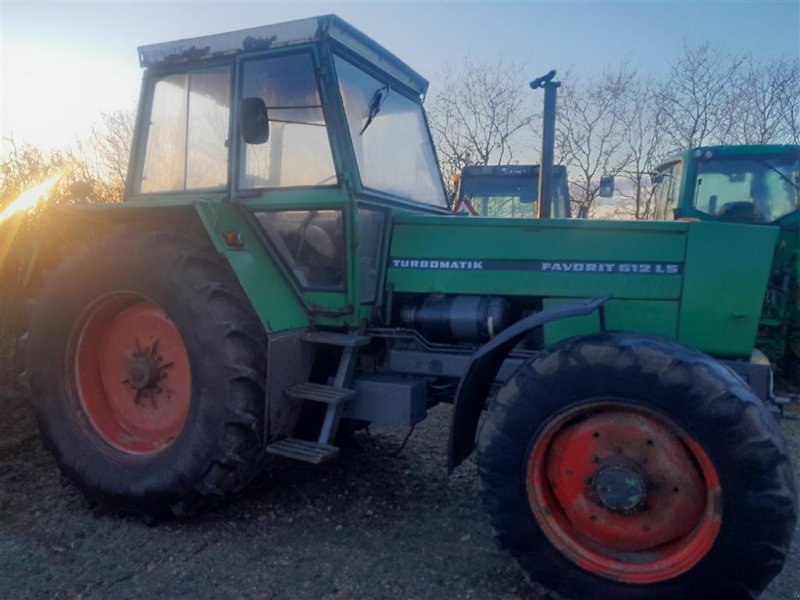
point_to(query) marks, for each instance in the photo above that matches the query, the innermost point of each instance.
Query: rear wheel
(147, 373)
(622, 466)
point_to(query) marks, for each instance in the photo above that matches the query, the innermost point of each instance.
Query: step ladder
(335, 396)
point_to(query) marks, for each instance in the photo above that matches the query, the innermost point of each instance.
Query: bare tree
(619, 123)
(479, 113)
(768, 101)
(789, 94)
(110, 141)
(644, 146)
(590, 131)
(698, 96)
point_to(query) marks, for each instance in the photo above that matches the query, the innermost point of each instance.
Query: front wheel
(624, 466)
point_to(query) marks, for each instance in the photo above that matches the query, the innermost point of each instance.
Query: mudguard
(474, 387)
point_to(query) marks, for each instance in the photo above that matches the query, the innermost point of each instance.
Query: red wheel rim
(624, 493)
(132, 375)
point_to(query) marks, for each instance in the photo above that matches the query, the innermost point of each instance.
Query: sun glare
(26, 201)
(30, 197)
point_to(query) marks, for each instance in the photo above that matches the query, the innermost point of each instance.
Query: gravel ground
(373, 524)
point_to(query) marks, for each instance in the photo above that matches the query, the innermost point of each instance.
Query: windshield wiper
(375, 103)
(772, 167)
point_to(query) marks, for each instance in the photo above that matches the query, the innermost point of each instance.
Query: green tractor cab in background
(757, 184)
(751, 185)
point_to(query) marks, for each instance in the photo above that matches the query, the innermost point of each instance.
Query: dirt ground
(375, 524)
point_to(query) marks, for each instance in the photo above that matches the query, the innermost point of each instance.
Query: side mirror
(253, 120)
(606, 186)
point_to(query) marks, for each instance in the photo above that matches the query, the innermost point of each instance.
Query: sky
(64, 63)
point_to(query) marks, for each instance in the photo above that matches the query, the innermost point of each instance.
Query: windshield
(390, 137)
(511, 191)
(754, 189)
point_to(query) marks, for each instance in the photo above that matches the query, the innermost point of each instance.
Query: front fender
(474, 387)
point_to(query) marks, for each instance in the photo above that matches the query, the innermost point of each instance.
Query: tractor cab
(308, 131)
(509, 191)
(308, 104)
(738, 184)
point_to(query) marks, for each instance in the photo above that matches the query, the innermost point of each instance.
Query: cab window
(668, 191)
(187, 132)
(297, 152)
(753, 189)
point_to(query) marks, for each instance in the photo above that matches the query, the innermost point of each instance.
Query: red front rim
(132, 375)
(624, 493)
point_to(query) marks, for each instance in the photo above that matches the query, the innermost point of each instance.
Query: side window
(311, 243)
(298, 151)
(668, 192)
(188, 131)
(370, 235)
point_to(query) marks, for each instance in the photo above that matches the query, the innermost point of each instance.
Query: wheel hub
(620, 486)
(147, 372)
(142, 372)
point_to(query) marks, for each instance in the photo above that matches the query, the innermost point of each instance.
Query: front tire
(625, 466)
(147, 369)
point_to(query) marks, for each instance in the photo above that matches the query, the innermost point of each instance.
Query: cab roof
(281, 35)
(734, 150)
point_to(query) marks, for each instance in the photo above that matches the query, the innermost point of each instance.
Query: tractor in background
(509, 191)
(534, 191)
(755, 185)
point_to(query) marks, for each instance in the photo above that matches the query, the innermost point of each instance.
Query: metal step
(318, 392)
(335, 339)
(310, 452)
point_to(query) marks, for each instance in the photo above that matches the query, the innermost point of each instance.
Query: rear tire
(147, 369)
(697, 501)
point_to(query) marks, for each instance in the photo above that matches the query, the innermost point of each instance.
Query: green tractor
(748, 184)
(758, 185)
(285, 243)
